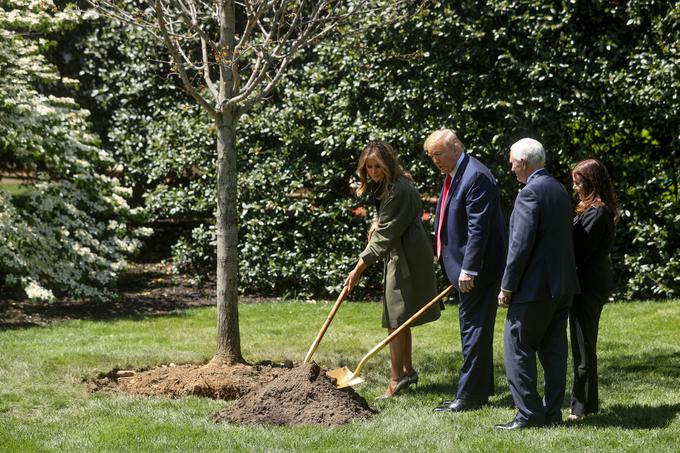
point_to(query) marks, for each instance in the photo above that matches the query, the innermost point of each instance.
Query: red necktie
(442, 213)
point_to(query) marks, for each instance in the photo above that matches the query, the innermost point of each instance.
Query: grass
(45, 407)
(15, 188)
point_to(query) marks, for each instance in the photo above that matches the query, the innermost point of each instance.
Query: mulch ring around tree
(304, 395)
(210, 380)
(267, 393)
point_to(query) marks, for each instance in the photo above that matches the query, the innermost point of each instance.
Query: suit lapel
(457, 178)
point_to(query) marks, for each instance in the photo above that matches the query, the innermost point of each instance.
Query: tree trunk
(228, 337)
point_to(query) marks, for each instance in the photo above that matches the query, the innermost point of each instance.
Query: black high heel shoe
(401, 385)
(413, 378)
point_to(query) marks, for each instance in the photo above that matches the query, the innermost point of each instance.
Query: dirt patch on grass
(276, 394)
(210, 380)
(304, 395)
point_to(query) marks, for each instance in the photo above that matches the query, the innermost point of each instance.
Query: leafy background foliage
(67, 233)
(586, 78)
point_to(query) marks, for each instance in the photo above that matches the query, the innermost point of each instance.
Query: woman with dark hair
(398, 237)
(596, 214)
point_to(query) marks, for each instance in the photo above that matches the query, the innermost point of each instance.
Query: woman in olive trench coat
(398, 237)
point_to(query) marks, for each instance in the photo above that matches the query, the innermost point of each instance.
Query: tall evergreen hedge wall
(586, 78)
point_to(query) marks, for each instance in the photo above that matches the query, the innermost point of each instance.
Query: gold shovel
(346, 378)
(327, 323)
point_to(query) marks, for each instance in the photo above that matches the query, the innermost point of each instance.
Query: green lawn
(15, 188)
(45, 407)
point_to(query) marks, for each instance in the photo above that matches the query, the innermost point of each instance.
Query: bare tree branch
(177, 59)
(190, 19)
(189, 16)
(203, 42)
(253, 18)
(206, 69)
(109, 9)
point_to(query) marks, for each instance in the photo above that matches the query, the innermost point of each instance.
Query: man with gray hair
(471, 240)
(538, 284)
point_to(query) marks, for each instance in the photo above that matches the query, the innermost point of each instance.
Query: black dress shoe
(459, 405)
(450, 402)
(518, 424)
(515, 424)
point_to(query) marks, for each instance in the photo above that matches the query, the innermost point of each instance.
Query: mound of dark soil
(304, 395)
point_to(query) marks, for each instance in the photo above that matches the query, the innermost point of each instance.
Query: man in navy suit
(471, 241)
(538, 284)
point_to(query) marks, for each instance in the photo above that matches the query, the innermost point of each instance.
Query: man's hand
(504, 298)
(466, 282)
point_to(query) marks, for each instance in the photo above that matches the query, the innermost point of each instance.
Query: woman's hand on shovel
(354, 276)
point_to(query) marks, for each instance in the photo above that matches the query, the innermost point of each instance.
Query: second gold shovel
(346, 377)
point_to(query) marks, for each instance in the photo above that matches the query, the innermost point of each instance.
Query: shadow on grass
(660, 370)
(662, 364)
(502, 398)
(439, 377)
(635, 416)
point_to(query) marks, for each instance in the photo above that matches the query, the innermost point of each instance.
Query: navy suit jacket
(474, 234)
(540, 263)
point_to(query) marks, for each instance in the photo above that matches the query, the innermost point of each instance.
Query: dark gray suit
(541, 273)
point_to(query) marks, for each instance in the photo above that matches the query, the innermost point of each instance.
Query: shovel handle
(406, 324)
(327, 323)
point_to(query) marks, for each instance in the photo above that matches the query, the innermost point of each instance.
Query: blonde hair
(447, 136)
(383, 154)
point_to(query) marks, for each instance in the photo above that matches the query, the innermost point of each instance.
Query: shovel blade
(344, 377)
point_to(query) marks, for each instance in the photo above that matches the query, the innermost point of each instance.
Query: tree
(230, 56)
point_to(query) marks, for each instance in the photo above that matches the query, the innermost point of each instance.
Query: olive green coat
(402, 242)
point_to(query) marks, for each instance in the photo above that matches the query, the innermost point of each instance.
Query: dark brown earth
(304, 395)
(269, 393)
(210, 380)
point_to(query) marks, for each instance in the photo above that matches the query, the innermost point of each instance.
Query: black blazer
(593, 238)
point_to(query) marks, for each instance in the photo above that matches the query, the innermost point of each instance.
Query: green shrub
(67, 234)
(587, 78)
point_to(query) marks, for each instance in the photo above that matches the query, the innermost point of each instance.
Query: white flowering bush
(36, 292)
(65, 234)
